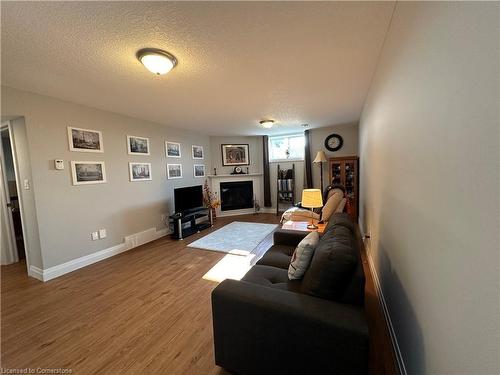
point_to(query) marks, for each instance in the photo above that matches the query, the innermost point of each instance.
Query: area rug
(237, 238)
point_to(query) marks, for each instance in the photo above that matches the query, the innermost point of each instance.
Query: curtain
(308, 183)
(267, 179)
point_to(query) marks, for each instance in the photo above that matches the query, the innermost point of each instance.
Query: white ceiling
(239, 62)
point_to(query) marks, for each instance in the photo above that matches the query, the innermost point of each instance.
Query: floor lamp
(320, 158)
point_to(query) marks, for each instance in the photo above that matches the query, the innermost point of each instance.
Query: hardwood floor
(146, 311)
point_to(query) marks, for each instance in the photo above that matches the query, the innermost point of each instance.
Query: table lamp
(311, 198)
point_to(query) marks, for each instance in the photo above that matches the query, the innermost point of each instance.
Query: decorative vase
(214, 213)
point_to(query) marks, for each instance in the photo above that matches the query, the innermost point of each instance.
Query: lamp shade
(320, 157)
(311, 198)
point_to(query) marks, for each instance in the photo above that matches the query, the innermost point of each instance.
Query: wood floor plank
(146, 311)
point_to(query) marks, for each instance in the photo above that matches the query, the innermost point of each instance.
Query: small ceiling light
(157, 61)
(267, 123)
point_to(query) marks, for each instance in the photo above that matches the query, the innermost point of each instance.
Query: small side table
(302, 226)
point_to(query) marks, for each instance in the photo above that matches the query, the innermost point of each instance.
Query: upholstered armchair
(334, 201)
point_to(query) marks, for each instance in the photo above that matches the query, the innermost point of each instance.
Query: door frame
(7, 124)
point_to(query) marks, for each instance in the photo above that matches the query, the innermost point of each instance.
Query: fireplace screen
(236, 195)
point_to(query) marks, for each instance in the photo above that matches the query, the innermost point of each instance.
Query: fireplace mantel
(234, 175)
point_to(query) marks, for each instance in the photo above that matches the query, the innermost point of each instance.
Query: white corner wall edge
(129, 243)
(385, 310)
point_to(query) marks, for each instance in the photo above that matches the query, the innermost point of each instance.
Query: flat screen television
(188, 198)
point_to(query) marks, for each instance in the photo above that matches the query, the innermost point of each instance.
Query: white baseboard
(385, 310)
(35, 272)
(130, 242)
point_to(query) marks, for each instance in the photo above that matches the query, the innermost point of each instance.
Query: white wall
(67, 214)
(430, 171)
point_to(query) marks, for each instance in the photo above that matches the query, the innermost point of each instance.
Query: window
(287, 147)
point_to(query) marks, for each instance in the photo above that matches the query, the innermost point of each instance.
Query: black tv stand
(190, 222)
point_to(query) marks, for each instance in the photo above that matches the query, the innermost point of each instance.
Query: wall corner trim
(385, 310)
(129, 243)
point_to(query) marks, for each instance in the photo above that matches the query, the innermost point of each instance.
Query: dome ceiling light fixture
(267, 123)
(157, 61)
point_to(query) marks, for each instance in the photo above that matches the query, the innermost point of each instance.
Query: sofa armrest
(289, 237)
(260, 330)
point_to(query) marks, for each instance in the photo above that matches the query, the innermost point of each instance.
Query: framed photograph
(235, 155)
(137, 145)
(197, 152)
(174, 171)
(140, 171)
(199, 170)
(172, 149)
(85, 140)
(88, 172)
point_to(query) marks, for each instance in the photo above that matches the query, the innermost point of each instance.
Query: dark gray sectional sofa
(267, 324)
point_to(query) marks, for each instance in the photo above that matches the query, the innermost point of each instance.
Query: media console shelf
(191, 222)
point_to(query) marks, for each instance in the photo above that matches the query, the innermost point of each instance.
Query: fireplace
(236, 195)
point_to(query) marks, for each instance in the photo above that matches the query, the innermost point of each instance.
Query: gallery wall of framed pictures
(94, 172)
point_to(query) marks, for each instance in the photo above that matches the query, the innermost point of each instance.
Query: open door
(12, 242)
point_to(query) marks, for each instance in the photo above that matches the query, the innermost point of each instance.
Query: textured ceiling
(239, 62)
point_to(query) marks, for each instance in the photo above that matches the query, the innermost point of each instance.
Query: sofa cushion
(277, 256)
(272, 277)
(342, 219)
(332, 265)
(302, 255)
(331, 205)
(341, 206)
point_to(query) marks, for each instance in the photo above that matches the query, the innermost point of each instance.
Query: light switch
(94, 236)
(102, 233)
(26, 184)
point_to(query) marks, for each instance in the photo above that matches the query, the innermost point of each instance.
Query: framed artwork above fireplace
(235, 154)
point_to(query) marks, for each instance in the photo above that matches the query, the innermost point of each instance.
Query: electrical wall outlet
(94, 236)
(102, 233)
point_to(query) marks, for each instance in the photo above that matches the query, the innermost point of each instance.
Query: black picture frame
(224, 148)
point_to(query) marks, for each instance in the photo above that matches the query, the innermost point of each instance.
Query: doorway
(13, 244)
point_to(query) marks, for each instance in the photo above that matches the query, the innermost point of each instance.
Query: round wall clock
(334, 142)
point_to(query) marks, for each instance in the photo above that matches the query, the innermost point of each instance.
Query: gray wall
(430, 165)
(67, 214)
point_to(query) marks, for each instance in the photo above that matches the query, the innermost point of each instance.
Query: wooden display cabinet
(344, 171)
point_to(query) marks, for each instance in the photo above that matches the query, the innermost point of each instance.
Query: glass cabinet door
(350, 178)
(336, 173)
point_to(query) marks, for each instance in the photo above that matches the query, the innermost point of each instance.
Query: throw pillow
(302, 256)
(299, 214)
